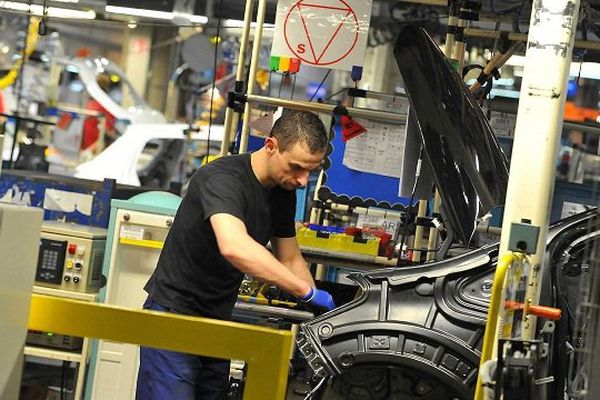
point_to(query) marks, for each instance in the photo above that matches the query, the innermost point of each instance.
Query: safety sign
(322, 33)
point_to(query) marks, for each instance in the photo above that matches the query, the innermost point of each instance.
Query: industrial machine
(71, 256)
(137, 229)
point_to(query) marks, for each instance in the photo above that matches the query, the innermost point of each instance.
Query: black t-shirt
(192, 277)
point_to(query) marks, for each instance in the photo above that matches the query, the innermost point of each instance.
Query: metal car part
(469, 167)
(422, 325)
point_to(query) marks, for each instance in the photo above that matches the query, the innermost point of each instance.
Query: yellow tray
(337, 241)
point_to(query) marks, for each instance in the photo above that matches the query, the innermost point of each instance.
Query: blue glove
(319, 298)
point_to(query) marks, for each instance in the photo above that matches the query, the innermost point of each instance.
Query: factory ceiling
(387, 15)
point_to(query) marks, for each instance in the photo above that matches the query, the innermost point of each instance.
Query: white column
(539, 124)
(136, 60)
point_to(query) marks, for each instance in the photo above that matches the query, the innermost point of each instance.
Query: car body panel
(470, 169)
(429, 325)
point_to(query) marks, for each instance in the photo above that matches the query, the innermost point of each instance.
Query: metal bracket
(236, 101)
(518, 367)
(523, 237)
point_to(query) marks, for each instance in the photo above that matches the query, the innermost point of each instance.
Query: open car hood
(470, 170)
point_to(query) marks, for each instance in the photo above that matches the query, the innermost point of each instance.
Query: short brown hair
(300, 127)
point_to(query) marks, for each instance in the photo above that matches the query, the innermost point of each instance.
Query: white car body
(142, 124)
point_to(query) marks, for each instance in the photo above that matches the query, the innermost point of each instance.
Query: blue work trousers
(169, 375)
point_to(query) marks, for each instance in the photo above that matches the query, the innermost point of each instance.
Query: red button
(72, 248)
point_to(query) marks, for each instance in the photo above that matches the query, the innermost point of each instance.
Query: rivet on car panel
(346, 360)
(325, 330)
(486, 286)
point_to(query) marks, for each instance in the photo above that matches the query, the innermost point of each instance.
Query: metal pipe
(227, 131)
(326, 108)
(416, 255)
(522, 37)
(460, 45)
(260, 17)
(433, 231)
(450, 32)
(272, 311)
(496, 62)
(230, 115)
(449, 45)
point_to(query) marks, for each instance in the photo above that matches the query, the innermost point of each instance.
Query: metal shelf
(53, 354)
(78, 356)
(69, 294)
(351, 260)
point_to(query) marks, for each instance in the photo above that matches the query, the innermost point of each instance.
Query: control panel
(71, 256)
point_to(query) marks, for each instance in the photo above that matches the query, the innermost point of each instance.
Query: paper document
(379, 151)
(61, 200)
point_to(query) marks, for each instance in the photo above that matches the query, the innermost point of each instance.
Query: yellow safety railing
(265, 350)
(492, 317)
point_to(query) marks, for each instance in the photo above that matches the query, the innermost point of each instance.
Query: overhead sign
(322, 33)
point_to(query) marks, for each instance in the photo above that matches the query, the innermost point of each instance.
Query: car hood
(470, 170)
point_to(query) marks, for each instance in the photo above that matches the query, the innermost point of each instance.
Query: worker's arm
(247, 255)
(244, 253)
(287, 251)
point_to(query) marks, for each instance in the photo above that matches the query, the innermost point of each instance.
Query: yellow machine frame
(267, 351)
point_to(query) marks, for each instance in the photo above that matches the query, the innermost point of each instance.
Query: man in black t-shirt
(232, 208)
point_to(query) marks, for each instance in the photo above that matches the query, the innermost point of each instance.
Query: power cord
(63, 379)
(310, 395)
(320, 85)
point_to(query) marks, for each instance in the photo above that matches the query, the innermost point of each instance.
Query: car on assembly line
(148, 148)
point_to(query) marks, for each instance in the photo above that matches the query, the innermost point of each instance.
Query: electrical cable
(513, 7)
(315, 389)
(280, 85)
(320, 85)
(214, 82)
(62, 381)
(334, 94)
(293, 87)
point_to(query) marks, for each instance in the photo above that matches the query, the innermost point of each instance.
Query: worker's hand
(320, 299)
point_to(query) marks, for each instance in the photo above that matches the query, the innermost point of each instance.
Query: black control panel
(51, 261)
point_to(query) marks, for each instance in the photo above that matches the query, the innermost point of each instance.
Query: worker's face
(290, 168)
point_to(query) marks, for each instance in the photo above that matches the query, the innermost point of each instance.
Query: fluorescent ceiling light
(585, 70)
(194, 19)
(139, 12)
(52, 11)
(236, 23)
(198, 19)
(67, 1)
